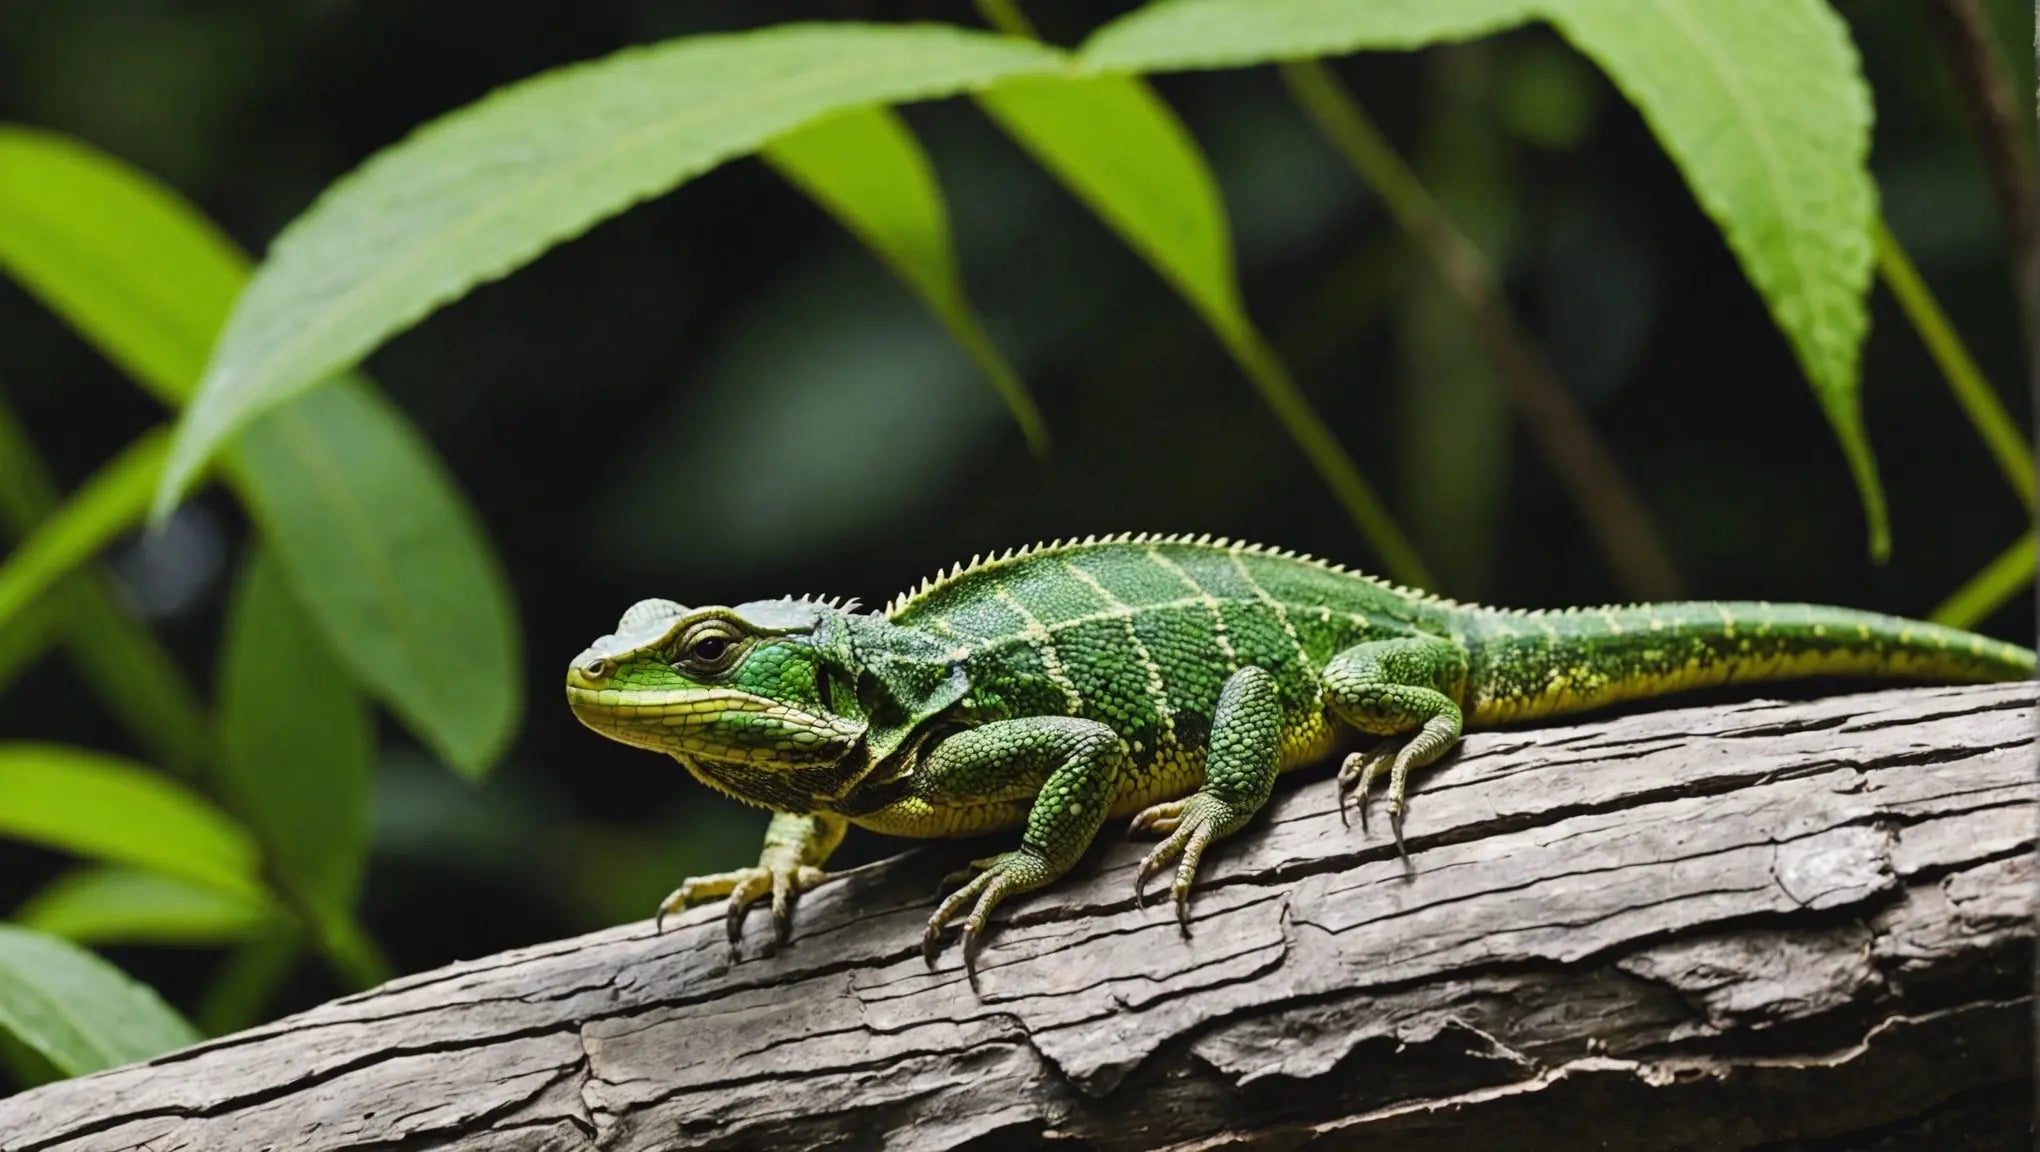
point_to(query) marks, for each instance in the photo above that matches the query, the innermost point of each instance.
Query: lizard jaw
(698, 722)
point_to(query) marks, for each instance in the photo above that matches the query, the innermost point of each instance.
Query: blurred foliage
(980, 340)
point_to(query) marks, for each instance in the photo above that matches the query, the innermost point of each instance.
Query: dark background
(720, 396)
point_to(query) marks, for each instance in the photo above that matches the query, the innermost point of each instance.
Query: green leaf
(121, 258)
(24, 639)
(391, 563)
(118, 659)
(24, 1065)
(387, 558)
(77, 1011)
(1178, 35)
(1121, 151)
(1761, 103)
(866, 167)
(1127, 156)
(298, 740)
(112, 809)
(115, 655)
(484, 190)
(103, 508)
(123, 905)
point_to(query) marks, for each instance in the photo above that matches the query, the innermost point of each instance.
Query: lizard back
(1140, 632)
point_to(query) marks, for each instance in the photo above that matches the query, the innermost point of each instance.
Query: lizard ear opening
(838, 692)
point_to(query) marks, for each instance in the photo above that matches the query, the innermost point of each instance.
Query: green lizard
(1165, 678)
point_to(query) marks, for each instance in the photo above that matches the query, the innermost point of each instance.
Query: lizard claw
(1162, 819)
(1357, 773)
(995, 879)
(1192, 824)
(783, 881)
(745, 887)
(673, 902)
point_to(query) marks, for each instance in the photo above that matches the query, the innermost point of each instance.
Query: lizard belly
(1168, 772)
(1175, 772)
(922, 818)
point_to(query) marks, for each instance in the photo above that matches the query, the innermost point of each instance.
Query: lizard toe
(745, 894)
(1157, 819)
(1357, 773)
(743, 888)
(1203, 819)
(697, 889)
(963, 875)
(782, 906)
(673, 902)
(1004, 875)
(1154, 862)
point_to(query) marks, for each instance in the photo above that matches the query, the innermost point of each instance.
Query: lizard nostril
(597, 669)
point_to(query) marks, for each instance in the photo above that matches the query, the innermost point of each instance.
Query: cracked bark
(1759, 925)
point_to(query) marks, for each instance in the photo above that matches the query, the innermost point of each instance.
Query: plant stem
(351, 952)
(1971, 391)
(1005, 16)
(116, 656)
(1250, 350)
(977, 344)
(1987, 591)
(1987, 97)
(1613, 511)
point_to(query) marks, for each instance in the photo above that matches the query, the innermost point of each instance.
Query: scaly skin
(1163, 678)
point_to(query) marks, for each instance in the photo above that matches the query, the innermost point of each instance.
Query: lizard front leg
(1407, 690)
(1070, 766)
(1239, 773)
(796, 847)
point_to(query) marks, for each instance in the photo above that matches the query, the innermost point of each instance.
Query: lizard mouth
(722, 723)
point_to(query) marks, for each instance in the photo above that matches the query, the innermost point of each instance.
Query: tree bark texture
(1760, 925)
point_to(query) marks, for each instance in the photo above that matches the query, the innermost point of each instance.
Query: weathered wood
(1765, 924)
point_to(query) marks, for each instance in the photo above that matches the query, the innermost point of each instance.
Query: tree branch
(1723, 928)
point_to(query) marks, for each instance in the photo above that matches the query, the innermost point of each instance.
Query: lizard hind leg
(1239, 772)
(1403, 690)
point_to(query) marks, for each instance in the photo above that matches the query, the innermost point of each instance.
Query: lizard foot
(745, 887)
(987, 882)
(1357, 774)
(1189, 825)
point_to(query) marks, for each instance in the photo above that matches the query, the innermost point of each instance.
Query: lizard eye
(707, 649)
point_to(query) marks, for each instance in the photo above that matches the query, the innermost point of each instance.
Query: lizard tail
(1530, 664)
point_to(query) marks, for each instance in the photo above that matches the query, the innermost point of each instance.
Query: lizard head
(766, 685)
